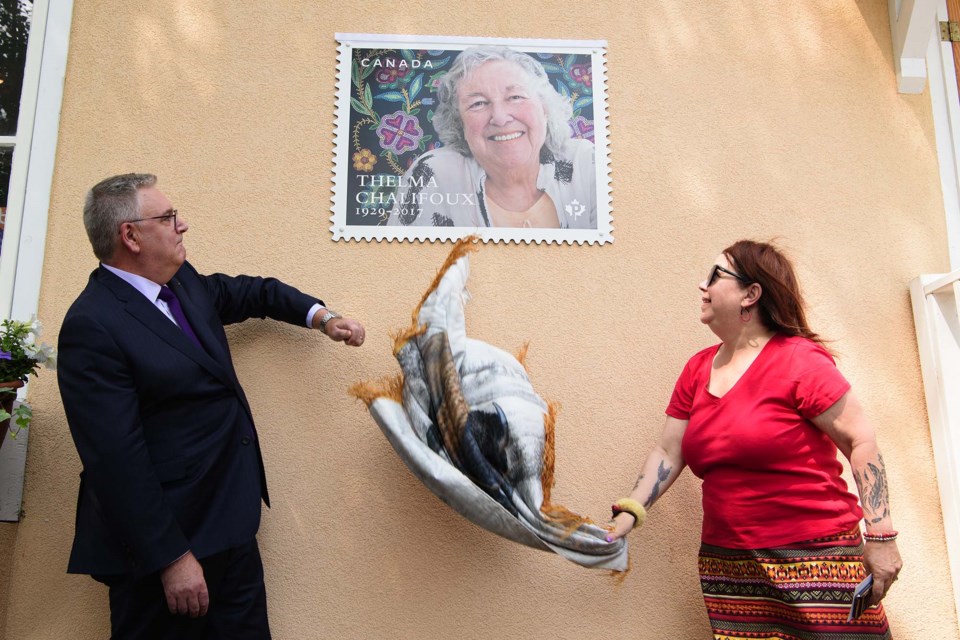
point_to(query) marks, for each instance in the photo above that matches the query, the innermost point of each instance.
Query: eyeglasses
(166, 216)
(714, 274)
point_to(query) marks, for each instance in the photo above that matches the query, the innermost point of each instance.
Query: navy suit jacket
(171, 461)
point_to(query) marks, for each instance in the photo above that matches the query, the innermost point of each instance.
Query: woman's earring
(745, 314)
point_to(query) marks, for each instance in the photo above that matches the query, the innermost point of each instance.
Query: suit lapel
(198, 323)
(137, 305)
(206, 332)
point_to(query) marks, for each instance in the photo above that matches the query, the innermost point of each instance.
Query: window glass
(6, 158)
(14, 29)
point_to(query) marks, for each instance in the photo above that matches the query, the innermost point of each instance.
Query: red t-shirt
(770, 476)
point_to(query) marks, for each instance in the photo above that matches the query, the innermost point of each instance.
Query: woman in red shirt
(759, 419)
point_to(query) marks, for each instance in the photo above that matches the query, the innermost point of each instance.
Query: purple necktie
(177, 312)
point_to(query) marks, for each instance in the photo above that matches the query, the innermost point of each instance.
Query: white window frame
(935, 297)
(34, 148)
(31, 177)
(945, 104)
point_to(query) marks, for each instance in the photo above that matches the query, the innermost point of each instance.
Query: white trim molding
(935, 299)
(945, 106)
(911, 25)
(31, 177)
(937, 322)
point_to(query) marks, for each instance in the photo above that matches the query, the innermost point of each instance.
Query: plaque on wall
(439, 137)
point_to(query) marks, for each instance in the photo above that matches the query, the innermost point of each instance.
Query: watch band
(327, 317)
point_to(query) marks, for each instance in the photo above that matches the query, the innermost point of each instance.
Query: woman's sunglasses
(714, 275)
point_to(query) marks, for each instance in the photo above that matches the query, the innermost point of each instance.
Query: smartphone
(861, 595)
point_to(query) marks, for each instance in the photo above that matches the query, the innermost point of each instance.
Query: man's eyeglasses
(172, 214)
(714, 275)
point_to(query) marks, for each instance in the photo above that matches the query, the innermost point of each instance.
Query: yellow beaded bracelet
(631, 506)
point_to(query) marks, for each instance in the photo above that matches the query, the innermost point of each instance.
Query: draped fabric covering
(466, 421)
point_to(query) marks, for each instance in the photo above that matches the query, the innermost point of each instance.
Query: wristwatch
(327, 317)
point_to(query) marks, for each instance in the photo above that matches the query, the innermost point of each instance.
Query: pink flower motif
(391, 73)
(399, 131)
(434, 81)
(581, 128)
(582, 74)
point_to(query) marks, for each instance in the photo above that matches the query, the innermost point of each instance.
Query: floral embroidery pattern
(390, 75)
(572, 77)
(399, 132)
(582, 74)
(582, 128)
(364, 160)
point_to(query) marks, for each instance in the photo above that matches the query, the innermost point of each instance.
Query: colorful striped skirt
(801, 591)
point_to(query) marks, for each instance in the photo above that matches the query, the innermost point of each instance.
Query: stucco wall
(727, 120)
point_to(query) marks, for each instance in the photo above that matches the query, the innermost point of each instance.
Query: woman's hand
(622, 524)
(882, 560)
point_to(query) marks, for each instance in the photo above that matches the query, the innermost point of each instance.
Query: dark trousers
(238, 602)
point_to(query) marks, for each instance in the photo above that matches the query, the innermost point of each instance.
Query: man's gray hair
(447, 121)
(110, 203)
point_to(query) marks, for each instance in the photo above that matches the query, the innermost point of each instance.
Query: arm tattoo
(663, 472)
(874, 493)
(639, 478)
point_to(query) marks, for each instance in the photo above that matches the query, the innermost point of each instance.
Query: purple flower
(392, 72)
(400, 132)
(582, 74)
(582, 128)
(4, 355)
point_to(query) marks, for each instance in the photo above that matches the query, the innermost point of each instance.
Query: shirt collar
(148, 288)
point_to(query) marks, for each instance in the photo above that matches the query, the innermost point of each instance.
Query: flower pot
(6, 401)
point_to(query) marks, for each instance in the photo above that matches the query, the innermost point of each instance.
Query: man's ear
(130, 237)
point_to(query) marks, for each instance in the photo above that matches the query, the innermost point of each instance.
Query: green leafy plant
(21, 355)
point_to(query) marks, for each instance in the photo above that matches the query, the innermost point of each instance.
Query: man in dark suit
(169, 501)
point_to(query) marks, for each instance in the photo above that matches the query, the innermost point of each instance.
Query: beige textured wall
(727, 120)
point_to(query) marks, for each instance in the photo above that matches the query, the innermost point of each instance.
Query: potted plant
(21, 354)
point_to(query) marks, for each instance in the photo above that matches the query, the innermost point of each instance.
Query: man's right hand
(185, 587)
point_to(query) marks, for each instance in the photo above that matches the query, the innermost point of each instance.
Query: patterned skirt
(801, 591)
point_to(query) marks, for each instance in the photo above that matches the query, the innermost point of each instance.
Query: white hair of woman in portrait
(449, 124)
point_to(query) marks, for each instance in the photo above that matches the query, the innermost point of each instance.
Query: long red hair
(781, 305)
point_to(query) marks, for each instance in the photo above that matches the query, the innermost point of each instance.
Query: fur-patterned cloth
(465, 419)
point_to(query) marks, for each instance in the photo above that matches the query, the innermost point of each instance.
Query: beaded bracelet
(631, 506)
(880, 537)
